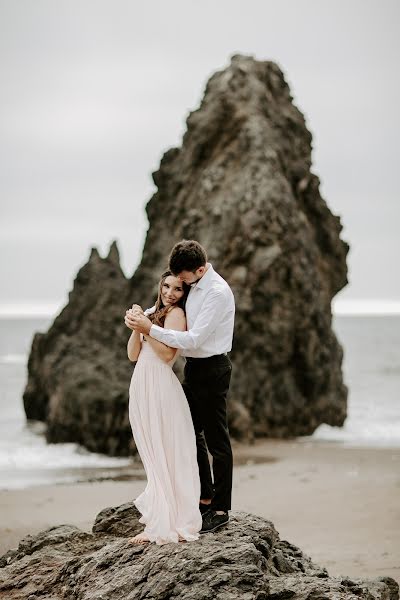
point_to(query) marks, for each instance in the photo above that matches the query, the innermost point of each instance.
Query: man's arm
(175, 319)
(206, 322)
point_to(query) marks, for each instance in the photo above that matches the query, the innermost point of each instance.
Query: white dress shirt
(210, 314)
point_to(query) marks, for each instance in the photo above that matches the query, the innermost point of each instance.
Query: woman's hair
(158, 317)
(187, 255)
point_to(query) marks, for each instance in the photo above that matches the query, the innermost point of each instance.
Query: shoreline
(339, 504)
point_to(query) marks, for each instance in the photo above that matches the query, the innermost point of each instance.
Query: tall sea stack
(241, 184)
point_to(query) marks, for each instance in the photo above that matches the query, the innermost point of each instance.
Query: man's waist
(203, 359)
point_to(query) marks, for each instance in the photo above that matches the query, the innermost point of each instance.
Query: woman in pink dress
(162, 426)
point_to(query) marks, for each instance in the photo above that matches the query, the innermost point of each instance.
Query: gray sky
(93, 92)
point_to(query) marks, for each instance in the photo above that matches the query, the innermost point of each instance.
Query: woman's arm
(135, 341)
(175, 319)
(134, 346)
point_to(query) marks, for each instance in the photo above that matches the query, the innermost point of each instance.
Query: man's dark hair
(187, 255)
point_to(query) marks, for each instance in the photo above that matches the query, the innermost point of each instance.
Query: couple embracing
(175, 426)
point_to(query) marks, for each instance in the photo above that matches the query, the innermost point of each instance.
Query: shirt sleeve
(206, 322)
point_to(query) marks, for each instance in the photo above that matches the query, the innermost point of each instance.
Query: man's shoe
(204, 508)
(213, 521)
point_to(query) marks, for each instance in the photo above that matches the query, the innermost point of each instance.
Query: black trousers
(206, 385)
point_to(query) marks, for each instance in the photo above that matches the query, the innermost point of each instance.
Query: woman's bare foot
(140, 538)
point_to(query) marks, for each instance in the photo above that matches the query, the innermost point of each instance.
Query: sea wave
(372, 435)
(26, 458)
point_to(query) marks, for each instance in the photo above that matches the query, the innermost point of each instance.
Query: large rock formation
(241, 184)
(245, 561)
(78, 372)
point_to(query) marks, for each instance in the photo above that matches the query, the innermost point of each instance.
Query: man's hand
(140, 323)
(135, 310)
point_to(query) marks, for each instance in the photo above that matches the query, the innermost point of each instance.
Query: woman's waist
(147, 354)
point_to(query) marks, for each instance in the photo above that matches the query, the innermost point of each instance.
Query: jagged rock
(241, 184)
(78, 372)
(245, 561)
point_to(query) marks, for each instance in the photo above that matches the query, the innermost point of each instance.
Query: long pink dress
(163, 431)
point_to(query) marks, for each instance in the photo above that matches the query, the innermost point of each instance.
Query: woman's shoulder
(176, 311)
(175, 319)
(175, 314)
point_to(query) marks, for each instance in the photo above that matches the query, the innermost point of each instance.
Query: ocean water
(371, 371)
(25, 457)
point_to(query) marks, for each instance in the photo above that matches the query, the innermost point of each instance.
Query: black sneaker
(213, 521)
(204, 508)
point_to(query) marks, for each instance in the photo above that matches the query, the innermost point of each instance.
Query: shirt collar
(206, 279)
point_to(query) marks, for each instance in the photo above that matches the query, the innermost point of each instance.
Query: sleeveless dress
(163, 431)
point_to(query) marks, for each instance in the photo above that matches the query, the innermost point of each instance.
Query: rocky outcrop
(241, 184)
(245, 561)
(78, 372)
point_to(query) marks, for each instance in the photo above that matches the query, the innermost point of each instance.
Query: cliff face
(78, 372)
(246, 560)
(241, 185)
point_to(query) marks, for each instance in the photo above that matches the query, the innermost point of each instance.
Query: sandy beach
(340, 505)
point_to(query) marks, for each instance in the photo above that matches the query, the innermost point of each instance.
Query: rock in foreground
(245, 561)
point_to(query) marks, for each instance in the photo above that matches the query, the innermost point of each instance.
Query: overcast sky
(93, 92)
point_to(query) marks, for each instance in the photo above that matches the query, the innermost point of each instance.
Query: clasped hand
(136, 320)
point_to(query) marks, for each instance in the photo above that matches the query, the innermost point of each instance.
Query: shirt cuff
(156, 332)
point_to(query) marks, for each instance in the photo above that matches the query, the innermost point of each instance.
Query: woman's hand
(131, 313)
(137, 308)
(141, 323)
(135, 342)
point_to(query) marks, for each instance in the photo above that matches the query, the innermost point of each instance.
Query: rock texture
(78, 372)
(242, 185)
(245, 561)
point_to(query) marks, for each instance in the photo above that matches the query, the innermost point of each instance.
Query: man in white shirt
(210, 313)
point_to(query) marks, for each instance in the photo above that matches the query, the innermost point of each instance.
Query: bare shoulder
(176, 310)
(175, 319)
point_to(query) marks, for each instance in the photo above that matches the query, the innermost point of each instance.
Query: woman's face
(171, 291)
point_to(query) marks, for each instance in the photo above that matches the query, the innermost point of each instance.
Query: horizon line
(351, 307)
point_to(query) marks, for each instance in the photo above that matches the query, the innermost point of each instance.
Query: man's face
(189, 277)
